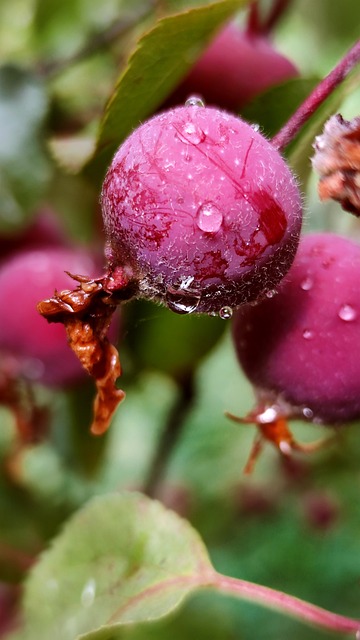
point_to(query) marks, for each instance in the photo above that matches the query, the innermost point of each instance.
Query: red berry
(32, 347)
(301, 346)
(200, 210)
(234, 69)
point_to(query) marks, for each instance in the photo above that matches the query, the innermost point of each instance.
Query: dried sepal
(337, 160)
(272, 424)
(86, 313)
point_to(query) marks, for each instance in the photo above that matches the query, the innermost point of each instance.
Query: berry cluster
(202, 213)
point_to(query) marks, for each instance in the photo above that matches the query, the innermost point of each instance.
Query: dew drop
(255, 126)
(88, 593)
(268, 416)
(194, 101)
(271, 293)
(225, 313)
(347, 313)
(307, 284)
(209, 218)
(182, 299)
(308, 334)
(307, 413)
(191, 133)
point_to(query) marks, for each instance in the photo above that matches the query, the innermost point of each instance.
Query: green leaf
(162, 57)
(272, 108)
(122, 559)
(24, 167)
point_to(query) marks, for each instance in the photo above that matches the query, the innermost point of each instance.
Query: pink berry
(200, 210)
(301, 346)
(234, 69)
(33, 348)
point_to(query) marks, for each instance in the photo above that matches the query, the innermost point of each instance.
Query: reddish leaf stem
(287, 604)
(317, 97)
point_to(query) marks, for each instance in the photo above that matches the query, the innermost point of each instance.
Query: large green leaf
(123, 558)
(24, 168)
(162, 57)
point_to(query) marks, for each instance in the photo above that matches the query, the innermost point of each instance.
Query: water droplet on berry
(194, 101)
(209, 218)
(307, 413)
(88, 593)
(191, 133)
(307, 334)
(285, 447)
(268, 416)
(347, 313)
(182, 299)
(225, 313)
(255, 126)
(307, 284)
(271, 293)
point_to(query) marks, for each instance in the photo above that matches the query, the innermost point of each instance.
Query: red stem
(316, 98)
(253, 26)
(277, 10)
(284, 603)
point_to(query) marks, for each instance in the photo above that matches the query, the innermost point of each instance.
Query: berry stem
(257, 27)
(286, 604)
(277, 10)
(288, 132)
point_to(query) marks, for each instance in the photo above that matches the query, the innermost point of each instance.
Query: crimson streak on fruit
(198, 203)
(300, 348)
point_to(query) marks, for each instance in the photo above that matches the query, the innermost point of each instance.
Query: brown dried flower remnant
(337, 160)
(86, 313)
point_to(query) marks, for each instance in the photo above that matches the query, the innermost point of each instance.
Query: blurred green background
(292, 525)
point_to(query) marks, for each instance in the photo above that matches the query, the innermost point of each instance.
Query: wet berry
(30, 347)
(201, 211)
(301, 346)
(235, 68)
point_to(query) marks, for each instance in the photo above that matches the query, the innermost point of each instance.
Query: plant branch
(96, 43)
(288, 132)
(170, 435)
(284, 603)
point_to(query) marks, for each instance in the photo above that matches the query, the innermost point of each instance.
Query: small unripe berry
(200, 210)
(33, 348)
(235, 68)
(302, 345)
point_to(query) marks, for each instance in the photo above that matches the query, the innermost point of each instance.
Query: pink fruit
(301, 347)
(33, 348)
(235, 68)
(201, 211)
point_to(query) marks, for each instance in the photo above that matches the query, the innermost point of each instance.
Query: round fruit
(200, 210)
(301, 346)
(235, 68)
(31, 347)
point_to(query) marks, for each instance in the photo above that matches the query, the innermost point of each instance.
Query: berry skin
(200, 210)
(301, 346)
(30, 347)
(234, 69)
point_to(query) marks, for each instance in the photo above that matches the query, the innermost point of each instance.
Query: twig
(288, 132)
(170, 436)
